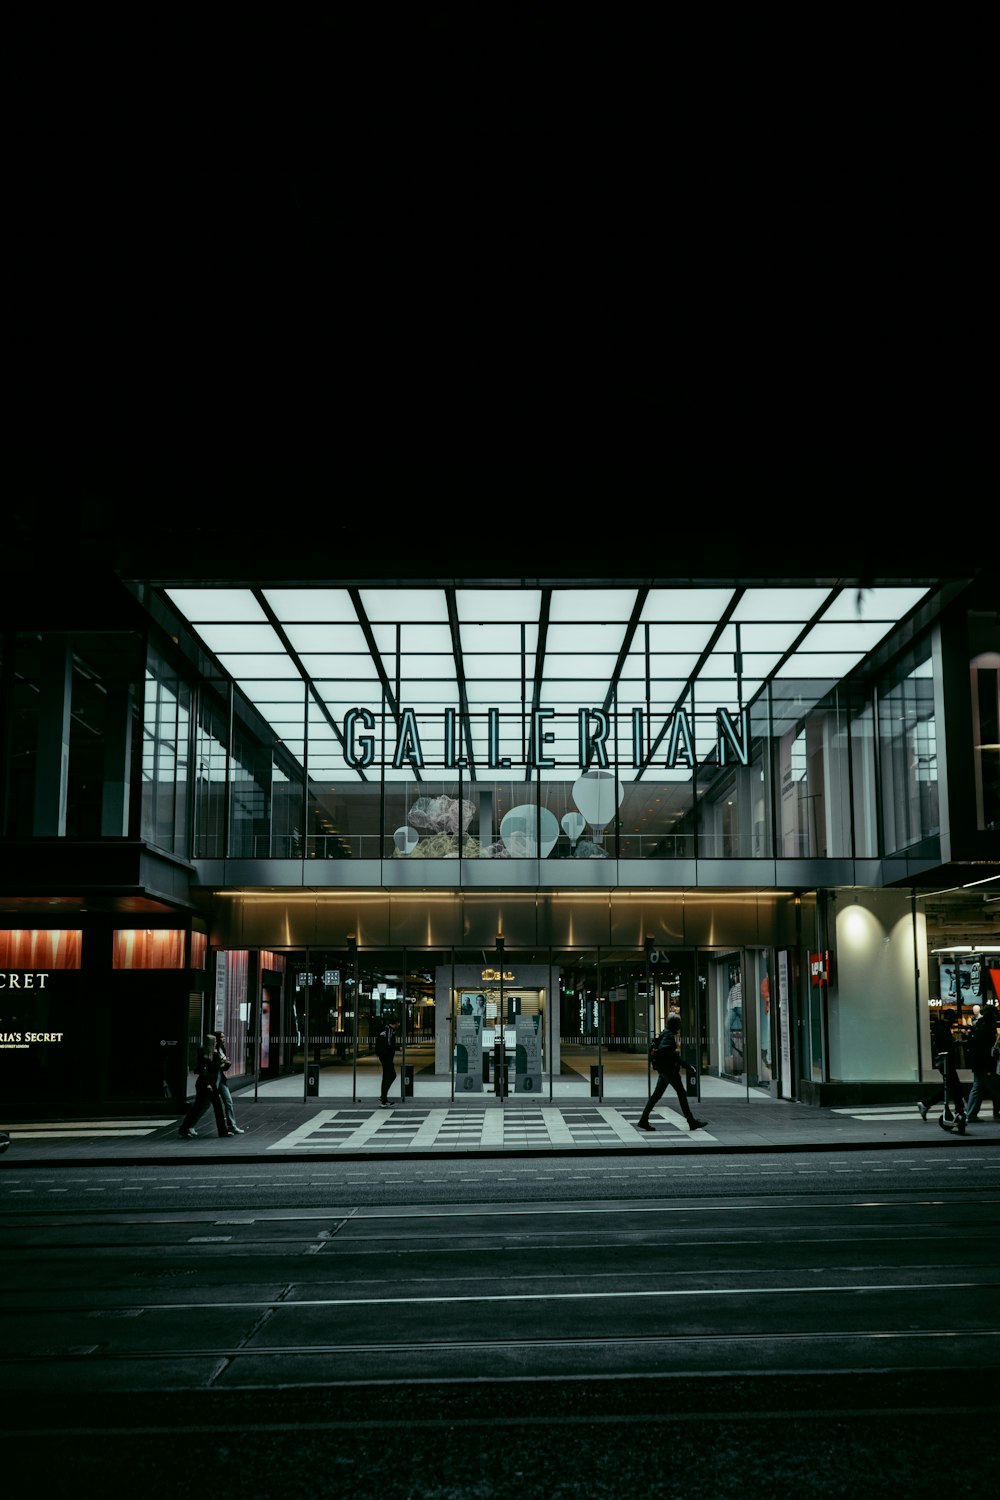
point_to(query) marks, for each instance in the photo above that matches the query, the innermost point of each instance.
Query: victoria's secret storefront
(97, 1012)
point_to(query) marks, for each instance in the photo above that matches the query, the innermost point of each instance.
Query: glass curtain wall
(211, 768)
(812, 769)
(820, 772)
(555, 723)
(166, 730)
(564, 1023)
(907, 739)
(69, 719)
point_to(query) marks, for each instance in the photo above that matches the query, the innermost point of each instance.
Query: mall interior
(521, 819)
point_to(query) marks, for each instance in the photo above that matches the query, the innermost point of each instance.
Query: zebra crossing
(443, 1129)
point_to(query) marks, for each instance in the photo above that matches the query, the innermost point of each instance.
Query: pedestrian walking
(226, 1063)
(206, 1092)
(385, 1051)
(667, 1062)
(981, 1054)
(944, 1053)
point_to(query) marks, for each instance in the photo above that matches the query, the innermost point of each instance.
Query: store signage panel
(361, 749)
(17, 1039)
(27, 997)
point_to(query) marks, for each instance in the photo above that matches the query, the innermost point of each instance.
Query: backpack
(662, 1056)
(383, 1047)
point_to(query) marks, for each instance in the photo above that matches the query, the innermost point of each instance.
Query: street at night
(499, 1312)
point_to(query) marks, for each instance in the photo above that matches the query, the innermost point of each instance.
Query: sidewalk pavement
(284, 1129)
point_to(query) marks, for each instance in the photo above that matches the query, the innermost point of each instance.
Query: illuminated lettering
(451, 758)
(637, 736)
(408, 744)
(496, 763)
(540, 737)
(352, 739)
(680, 745)
(729, 740)
(595, 727)
(593, 742)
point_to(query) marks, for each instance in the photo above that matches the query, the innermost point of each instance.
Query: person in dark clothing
(206, 1092)
(981, 1055)
(385, 1051)
(943, 1044)
(225, 1062)
(667, 1062)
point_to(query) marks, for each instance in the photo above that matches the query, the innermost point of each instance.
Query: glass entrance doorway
(499, 1040)
(517, 1025)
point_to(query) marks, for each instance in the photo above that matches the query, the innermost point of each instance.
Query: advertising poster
(966, 978)
(220, 990)
(469, 1044)
(784, 1087)
(528, 1055)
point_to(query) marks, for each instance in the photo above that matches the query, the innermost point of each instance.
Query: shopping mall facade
(521, 819)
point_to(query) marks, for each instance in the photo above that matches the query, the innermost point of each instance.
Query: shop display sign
(469, 1043)
(22, 1019)
(968, 977)
(528, 1054)
(362, 747)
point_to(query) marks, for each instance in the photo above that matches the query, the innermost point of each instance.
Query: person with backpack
(385, 1051)
(666, 1059)
(981, 1055)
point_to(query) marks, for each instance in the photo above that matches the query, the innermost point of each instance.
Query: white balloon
(519, 830)
(405, 839)
(573, 825)
(598, 795)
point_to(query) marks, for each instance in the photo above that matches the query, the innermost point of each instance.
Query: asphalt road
(466, 1328)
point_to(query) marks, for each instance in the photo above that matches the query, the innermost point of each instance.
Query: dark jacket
(385, 1045)
(942, 1040)
(209, 1069)
(666, 1054)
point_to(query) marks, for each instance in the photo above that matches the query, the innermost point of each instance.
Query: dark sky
(492, 280)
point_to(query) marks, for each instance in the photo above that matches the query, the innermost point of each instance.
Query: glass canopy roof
(305, 656)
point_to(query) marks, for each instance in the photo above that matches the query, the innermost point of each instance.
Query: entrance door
(499, 1007)
(735, 1020)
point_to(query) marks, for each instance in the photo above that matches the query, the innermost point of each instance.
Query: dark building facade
(520, 818)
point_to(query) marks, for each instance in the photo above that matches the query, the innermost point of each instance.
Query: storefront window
(148, 948)
(165, 729)
(41, 948)
(210, 770)
(908, 755)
